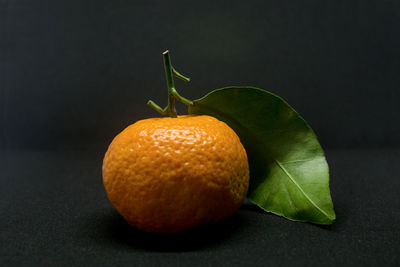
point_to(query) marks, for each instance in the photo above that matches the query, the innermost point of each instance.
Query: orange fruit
(167, 175)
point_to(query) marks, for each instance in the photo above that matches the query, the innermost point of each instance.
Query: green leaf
(289, 175)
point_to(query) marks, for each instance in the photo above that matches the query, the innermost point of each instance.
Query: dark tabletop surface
(54, 211)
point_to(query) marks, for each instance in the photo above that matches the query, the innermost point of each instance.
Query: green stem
(156, 107)
(180, 76)
(170, 83)
(170, 72)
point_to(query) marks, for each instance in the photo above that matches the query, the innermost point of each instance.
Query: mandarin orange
(167, 175)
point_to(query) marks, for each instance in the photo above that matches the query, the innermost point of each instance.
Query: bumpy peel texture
(170, 174)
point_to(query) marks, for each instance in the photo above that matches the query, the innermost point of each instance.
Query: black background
(75, 73)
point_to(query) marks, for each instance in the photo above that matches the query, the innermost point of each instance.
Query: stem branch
(180, 76)
(170, 72)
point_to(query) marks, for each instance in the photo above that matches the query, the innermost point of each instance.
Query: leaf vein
(301, 189)
(299, 160)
